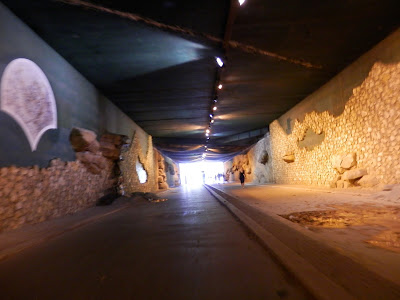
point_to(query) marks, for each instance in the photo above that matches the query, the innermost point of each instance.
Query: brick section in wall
(368, 127)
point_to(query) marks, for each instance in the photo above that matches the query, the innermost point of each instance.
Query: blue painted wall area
(78, 102)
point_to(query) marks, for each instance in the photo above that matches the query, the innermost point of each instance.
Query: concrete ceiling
(161, 70)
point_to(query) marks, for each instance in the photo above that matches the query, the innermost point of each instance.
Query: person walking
(241, 177)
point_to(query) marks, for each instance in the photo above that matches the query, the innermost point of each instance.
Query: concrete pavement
(341, 254)
(188, 247)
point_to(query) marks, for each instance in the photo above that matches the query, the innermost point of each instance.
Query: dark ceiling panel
(257, 89)
(165, 80)
(205, 16)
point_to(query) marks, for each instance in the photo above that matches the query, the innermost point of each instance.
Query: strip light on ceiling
(241, 2)
(220, 63)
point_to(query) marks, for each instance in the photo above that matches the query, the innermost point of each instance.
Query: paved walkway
(189, 247)
(346, 248)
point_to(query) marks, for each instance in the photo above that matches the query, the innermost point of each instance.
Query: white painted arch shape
(26, 95)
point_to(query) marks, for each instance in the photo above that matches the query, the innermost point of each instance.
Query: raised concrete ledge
(325, 272)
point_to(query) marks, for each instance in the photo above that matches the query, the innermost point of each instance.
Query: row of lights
(220, 63)
(214, 108)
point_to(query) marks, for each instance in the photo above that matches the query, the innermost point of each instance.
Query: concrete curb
(314, 281)
(341, 268)
(19, 247)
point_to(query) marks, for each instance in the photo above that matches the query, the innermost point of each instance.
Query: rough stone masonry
(368, 127)
(365, 137)
(31, 194)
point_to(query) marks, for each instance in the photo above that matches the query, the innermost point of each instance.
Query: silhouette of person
(241, 177)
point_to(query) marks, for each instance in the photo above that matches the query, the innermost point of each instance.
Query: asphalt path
(189, 247)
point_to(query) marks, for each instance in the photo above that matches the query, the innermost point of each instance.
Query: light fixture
(214, 108)
(212, 121)
(241, 2)
(208, 130)
(211, 116)
(215, 100)
(207, 134)
(220, 87)
(219, 62)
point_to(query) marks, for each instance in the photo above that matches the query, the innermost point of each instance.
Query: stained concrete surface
(188, 247)
(349, 241)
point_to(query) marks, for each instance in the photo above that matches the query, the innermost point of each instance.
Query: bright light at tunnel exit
(197, 173)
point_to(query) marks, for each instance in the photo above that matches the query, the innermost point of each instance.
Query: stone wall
(162, 172)
(140, 150)
(234, 166)
(32, 195)
(31, 189)
(261, 161)
(172, 172)
(334, 95)
(368, 127)
(257, 163)
(346, 129)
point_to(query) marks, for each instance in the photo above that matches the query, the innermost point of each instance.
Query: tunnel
(181, 149)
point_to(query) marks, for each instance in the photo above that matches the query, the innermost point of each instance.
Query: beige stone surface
(289, 158)
(368, 127)
(141, 148)
(154, 163)
(336, 162)
(356, 203)
(32, 195)
(354, 174)
(368, 181)
(256, 171)
(163, 186)
(109, 150)
(83, 139)
(87, 157)
(348, 161)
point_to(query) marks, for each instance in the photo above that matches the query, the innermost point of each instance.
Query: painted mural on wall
(26, 95)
